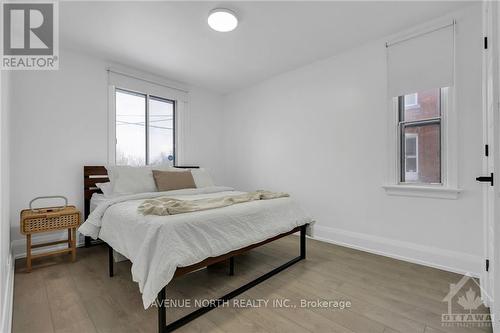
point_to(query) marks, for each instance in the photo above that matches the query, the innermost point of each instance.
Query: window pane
(130, 128)
(161, 131)
(421, 105)
(421, 153)
(411, 100)
(411, 145)
(411, 164)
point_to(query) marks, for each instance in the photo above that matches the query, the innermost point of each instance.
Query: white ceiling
(173, 39)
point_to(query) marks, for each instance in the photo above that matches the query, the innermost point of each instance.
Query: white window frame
(131, 80)
(148, 97)
(448, 188)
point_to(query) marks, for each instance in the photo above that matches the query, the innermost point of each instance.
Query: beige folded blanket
(169, 206)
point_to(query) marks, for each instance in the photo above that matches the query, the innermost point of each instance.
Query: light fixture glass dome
(222, 20)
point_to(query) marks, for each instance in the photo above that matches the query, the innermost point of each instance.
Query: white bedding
(157, 245)
(96, 200)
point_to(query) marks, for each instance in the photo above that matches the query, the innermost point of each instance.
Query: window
(420, 137)
(411, 101)
(411, 156)
(422, 122)
(145, 129)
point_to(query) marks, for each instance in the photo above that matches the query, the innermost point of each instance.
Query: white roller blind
(422, 61)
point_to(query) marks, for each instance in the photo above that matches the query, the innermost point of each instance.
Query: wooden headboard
(93, 174)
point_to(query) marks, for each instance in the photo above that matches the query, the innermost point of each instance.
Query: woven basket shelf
(49, 219)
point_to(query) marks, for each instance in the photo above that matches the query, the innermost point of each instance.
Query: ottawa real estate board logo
(465, 305)
(30, 36)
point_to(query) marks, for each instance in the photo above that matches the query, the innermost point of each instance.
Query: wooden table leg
(73, 244)
(28, 253)
(70, 244)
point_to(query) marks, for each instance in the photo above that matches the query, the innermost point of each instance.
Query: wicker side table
(47, 220)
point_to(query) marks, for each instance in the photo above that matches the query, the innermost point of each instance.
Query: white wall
(6, 262)
(320, 133)
(59, 124)
(204, 134)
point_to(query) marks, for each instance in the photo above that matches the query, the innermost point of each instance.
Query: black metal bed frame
(163, 327)
(162, 313)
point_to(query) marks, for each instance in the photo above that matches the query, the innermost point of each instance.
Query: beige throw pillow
(173, 180)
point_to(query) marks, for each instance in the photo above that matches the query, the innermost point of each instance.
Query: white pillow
(202, 178)
(130, 180)
(106, 189)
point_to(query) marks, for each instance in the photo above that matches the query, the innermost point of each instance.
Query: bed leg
(110, 261)
(231, 266)
(162, 314)
(303, 242)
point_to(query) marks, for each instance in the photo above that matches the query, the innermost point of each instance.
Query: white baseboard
(7, 301)
(447, 260)
(452, 261)
(19, 245)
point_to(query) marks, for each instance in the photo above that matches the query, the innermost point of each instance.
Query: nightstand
(49, 219)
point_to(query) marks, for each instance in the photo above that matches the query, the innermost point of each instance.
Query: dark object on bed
(98, 174)
(95, 174)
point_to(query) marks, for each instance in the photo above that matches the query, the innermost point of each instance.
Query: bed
(195, 240)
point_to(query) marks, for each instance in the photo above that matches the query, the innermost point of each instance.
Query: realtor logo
(465, 306)
(30, 36)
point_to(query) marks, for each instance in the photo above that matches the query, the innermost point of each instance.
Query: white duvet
(157, 245)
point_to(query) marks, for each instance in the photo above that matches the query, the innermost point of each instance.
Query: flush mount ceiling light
(222, 20)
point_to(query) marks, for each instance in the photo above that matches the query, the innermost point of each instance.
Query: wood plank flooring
(387, 295)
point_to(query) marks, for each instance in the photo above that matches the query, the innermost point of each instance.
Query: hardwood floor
(386, 295)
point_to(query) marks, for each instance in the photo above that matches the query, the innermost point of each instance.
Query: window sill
(422, 191)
